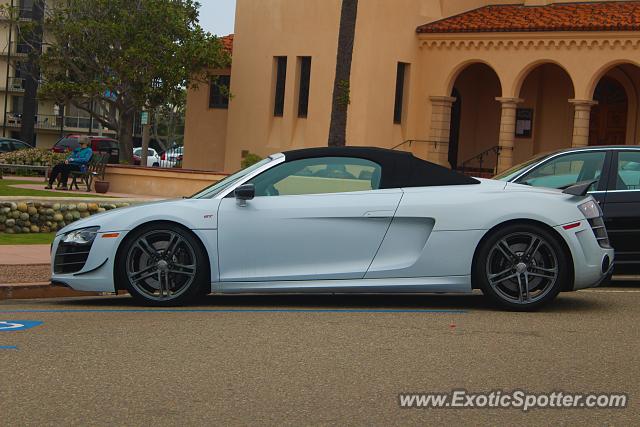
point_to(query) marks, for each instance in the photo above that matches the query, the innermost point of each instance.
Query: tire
(163, 264)
(521, 267)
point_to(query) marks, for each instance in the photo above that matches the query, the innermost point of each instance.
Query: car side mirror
(243, 193)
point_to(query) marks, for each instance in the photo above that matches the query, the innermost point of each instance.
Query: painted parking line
(8, 347)
(18, 325)
(232, 310)
(612, 291)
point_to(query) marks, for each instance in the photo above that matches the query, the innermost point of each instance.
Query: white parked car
(153, 159)
(172, 157)
(343, 220)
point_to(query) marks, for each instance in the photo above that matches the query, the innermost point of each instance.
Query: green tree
(342, 82)
(112, 58)
(167, 125)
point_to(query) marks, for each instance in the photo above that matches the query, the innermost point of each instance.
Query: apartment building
(51, 120)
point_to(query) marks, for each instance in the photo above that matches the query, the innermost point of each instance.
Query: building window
(281, 79)
(219, 92)
(305, 78)
(399, 99)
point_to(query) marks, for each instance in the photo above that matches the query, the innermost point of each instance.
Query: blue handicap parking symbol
(18, 325)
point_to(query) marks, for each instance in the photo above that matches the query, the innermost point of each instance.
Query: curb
(38, 290)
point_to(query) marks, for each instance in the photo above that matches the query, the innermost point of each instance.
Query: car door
(564, 170)
(319, 218)
(622, 210)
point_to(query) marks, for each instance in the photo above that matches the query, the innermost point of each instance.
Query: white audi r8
(343, 220)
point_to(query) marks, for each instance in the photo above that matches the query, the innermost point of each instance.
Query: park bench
(95, 170)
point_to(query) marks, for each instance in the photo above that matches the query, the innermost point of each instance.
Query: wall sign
(524, 122)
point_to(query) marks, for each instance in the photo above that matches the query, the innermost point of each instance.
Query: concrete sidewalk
(24, 254)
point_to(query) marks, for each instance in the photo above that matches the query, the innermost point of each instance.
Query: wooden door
(608, 123)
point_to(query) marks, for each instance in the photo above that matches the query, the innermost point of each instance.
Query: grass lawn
(27, 239)
(6, 190)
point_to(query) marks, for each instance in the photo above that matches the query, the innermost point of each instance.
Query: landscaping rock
(45, 217)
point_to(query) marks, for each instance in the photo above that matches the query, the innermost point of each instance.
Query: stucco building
(447, 79)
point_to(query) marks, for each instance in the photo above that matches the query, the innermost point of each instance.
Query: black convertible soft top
(399, 168)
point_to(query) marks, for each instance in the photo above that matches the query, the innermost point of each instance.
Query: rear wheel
(521, 267)
(164, 265)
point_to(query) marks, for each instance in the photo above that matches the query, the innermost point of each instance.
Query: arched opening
(614, 118)
(475, 123)
(544, 118)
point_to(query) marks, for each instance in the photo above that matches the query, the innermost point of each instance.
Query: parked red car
(99, 144)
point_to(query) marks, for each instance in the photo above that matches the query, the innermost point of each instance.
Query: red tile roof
(227, 43)
(597, 16)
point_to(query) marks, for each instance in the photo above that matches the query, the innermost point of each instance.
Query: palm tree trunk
(33, 43)
(341, 85)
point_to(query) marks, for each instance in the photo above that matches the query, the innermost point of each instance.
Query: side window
(219, 92)
(318, 176)
(567, 170)
(628, 171)
(5, 146)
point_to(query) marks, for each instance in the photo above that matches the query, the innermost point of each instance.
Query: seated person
(75, 161)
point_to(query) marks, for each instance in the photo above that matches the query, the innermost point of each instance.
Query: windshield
(214, 189)
(511, 173)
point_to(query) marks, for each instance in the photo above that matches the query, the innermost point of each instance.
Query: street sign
(18, 325)
(144, 118)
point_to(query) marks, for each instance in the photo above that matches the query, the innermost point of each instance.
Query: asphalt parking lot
(300, 360)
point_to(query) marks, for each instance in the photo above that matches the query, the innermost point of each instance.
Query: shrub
(32, 156)
(250, 159)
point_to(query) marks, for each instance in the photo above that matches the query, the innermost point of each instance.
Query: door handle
(379, 214)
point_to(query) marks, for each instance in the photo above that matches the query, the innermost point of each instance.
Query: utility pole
(145, 121)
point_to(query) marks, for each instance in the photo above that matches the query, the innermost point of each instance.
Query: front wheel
(163, 265)
(521, 267)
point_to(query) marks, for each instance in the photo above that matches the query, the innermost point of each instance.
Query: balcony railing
(18, 49)
(16, 84)
(53, 122)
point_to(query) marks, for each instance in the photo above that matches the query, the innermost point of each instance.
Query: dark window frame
(217, 98)
(398, 107)
(304, 86)
(281, 85)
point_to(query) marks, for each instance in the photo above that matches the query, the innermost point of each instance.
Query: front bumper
(589, 258)
(97, 272)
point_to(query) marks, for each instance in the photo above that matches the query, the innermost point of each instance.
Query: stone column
(507, 132)
(440, 129)
(581, 118)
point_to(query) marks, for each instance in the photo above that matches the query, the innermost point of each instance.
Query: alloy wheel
(161, 265)
(522, 268)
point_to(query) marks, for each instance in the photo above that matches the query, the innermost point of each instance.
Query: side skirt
(449, 284)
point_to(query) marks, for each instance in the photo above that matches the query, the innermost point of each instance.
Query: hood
(101, 218)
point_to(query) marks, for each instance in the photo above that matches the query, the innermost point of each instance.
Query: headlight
(84, 236)
(590, 209)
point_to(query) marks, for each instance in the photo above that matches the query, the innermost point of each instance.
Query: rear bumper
(592, 264)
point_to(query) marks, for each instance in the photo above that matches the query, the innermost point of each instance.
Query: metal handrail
(496, 149)
(411, 141)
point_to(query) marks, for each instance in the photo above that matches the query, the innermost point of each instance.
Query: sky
(217, 16)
